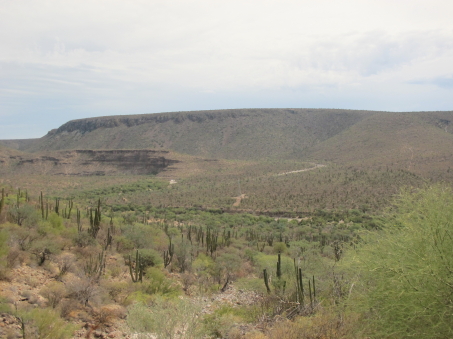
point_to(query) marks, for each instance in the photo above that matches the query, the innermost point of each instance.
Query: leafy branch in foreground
(404, 272)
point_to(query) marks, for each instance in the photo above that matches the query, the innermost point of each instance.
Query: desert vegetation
(180, 272)
(347, 236)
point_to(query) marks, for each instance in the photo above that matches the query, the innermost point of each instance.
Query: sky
(62, 60)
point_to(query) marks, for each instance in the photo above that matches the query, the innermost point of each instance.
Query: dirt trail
(303, 170)
(238, 200)
(243, 196)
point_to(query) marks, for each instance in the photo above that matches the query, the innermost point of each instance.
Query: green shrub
(123, 244)
(24, 215)
(269, 262)
(142, 236)
(405, 280)
(83, 239)
(150, 257)
(227, 264)
(168, 319)
(55, 221)
(157, 283)
(4, 248)
(46, 324)
(279, 247)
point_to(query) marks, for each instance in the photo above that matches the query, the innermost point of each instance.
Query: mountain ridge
(243, 133)
(344, 136)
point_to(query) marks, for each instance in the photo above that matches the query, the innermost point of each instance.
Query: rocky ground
(23, 291)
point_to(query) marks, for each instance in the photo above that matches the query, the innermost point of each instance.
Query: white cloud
(93, 56)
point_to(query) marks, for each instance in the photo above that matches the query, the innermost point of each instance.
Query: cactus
(70, 205)
(270, 239)
(108, 240)
(314, 289)
(99, 208)
(2, 202)
(94, 268)
(137, 271)
(280, 284)
(42, 206)
(168, 255)
(309, 291)
(260, 247)
(226, 239)
(79, 222)
(189, 233)
(90, 214)
(95, 222)
(57, 206)
(199, 235)
(300, 297)
(279, 266)
(266, 281)
(211, 241)
(302, 292)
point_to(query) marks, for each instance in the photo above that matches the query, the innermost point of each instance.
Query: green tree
(24, 215)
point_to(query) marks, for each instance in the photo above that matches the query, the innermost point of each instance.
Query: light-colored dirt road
(243, 196)
(303, 170)
(238, 200)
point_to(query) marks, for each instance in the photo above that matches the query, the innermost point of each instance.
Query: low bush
(54, 292)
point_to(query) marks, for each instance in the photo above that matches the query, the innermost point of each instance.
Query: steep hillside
(240, 134)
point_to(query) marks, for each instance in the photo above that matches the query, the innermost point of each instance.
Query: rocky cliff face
(89, 162)
(91, 124)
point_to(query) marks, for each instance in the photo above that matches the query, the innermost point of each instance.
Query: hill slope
(243, 134)
(341, 136)
(419, 142)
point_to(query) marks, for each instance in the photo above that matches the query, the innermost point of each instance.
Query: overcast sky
(71, 59)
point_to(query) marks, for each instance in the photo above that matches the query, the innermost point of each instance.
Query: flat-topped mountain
(345, 136)
(242, 133)
(342, 157)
